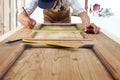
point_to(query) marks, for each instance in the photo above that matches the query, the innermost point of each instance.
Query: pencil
(27, 14)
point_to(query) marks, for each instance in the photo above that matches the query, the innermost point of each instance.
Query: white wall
(109, 25)
(113, 4)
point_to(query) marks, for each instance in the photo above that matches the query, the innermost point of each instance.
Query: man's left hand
(92, 29)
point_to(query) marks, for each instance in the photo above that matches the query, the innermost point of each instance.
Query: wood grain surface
(57, 64)
(58, 35)
(100, 63)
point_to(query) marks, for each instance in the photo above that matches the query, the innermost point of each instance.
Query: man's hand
(89, 28)
(31, 23)
(92, 29)
(25, 21)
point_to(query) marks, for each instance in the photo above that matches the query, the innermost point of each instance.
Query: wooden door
(58, 35)
(38, 62)
(58, 64)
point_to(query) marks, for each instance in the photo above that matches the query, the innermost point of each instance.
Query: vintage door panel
(58, 64)
(97, 63)
(59, 35)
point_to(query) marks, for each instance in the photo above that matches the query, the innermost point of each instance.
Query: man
(56, 11)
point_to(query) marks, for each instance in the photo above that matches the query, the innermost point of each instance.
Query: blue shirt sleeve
(31, 6)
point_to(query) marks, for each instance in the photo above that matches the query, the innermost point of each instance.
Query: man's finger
(96, 29)
(85, 28)
(31, 24)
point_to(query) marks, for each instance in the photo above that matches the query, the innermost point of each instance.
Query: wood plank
(57, 64)
(5, 61)
(110, 62)
(6, 16)
(110, 45)
(5, 51)
(1, 17)
(109, 53)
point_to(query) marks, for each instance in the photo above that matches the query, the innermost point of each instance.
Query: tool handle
(13, 41)
(90, 30)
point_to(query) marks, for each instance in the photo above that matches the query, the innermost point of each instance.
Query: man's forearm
(85, 19)
(22, 18)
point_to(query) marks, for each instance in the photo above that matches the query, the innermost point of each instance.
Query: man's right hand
(31, 23)
(25, 21)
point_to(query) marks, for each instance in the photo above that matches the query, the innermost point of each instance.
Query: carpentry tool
(89, 30)
(27, 14)
(31, 21)
(48, 43)
(58, 30)
(40, 42)
(13, 41)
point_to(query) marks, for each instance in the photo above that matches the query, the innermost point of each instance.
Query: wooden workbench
(36, 62)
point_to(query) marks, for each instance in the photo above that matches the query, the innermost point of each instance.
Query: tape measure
(51, 43)
(58, 30)
(55, 44)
